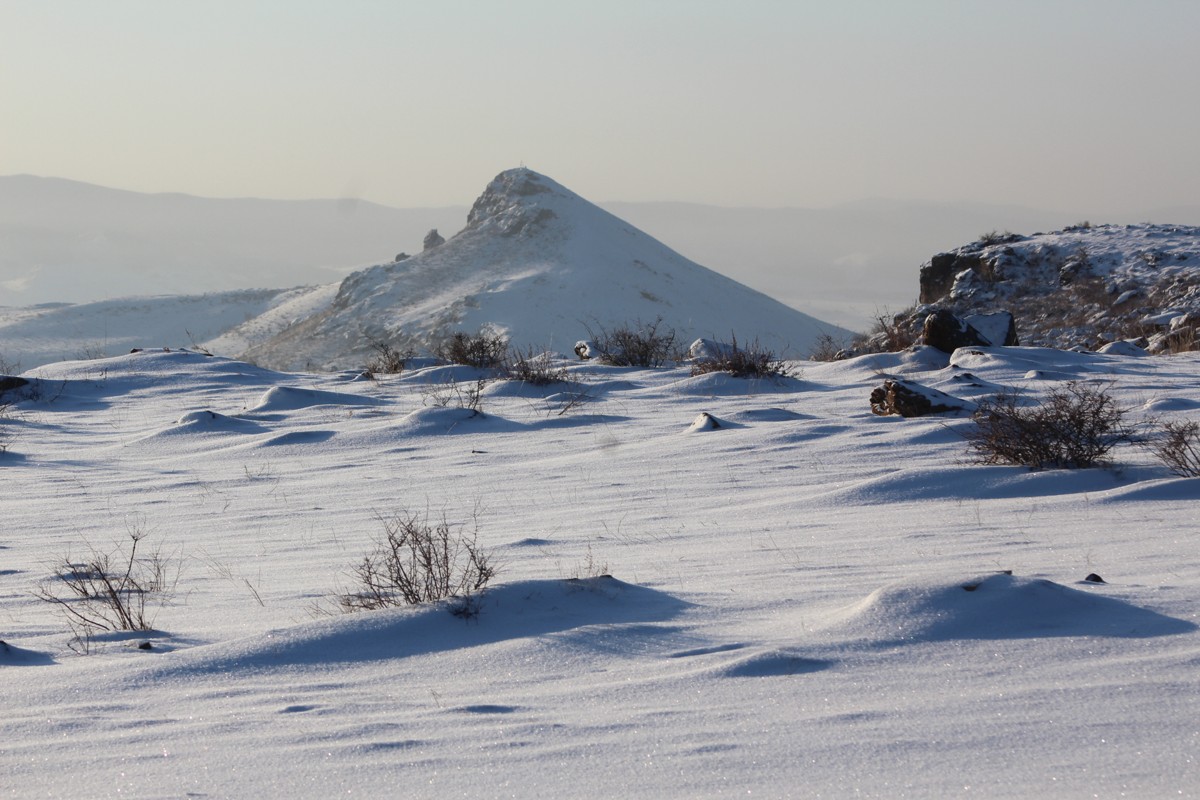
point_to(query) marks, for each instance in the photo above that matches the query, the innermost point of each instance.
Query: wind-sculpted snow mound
(290, 398)
(977, 483)
(994, 606)
(435, 420)
(717, 384)
(206, 421)
(513, 611)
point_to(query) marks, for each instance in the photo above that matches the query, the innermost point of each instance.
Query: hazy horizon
(66, 241)
(1062, 106)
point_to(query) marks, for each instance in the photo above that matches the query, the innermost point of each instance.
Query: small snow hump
(995, 606)
(706, 422)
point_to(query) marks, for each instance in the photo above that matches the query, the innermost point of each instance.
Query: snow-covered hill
(1083, 286)
(541, 265)
(41, 334)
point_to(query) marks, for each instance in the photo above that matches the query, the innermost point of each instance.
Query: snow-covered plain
(788, 611)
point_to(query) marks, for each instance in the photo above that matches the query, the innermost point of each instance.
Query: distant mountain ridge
(66, 241)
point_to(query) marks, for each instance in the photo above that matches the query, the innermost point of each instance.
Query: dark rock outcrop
(937, 277)
(909, 399)
(10, 382)
(947, 333)
(433, 239)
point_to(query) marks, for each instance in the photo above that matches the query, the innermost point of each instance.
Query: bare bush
(1074, 427)
(92, 351)
(568, 401)
(452, 394)
(389, 359)
(535, 367)
(110, 591)
(484, 350)
(638, 345)
(890, 333)
(996, 237)
(590, 567)
(415, 561)
(5, 437)
(1179, 448)
(753, 361)
(826, 348)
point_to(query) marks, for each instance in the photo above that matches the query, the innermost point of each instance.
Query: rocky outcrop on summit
(539, 264)
(1083, 286)
(431, 240)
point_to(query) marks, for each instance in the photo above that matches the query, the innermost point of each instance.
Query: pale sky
(1052, 104)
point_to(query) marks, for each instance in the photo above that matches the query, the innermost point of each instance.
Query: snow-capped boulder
(1123, 348)
(998, 327)
(947, 332)
(911, 399)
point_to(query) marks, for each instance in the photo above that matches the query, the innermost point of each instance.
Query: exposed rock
(947, 332)
(910, 399)
(937, 277)
(432, 240)
(10, 382)
(1083, 286)
(402, 256)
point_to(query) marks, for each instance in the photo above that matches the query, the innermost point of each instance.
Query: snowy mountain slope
(1086, 285)
(807, 601)
(539, 264)
(37, 335)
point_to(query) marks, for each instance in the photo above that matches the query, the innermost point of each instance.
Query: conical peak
(515, 199)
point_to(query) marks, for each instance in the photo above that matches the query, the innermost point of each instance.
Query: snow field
(788, 612)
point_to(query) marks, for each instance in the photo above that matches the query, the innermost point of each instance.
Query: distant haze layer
(64, 241)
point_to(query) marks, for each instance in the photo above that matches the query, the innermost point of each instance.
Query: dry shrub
(452, 394)
(110, 591)
(535, 367)
(827, 348)
(389, 359)
(483, 350)
(890, 333)
(1074, 427)
(752, 361)
(415, 561)
(638, 345)
(1179, 448)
